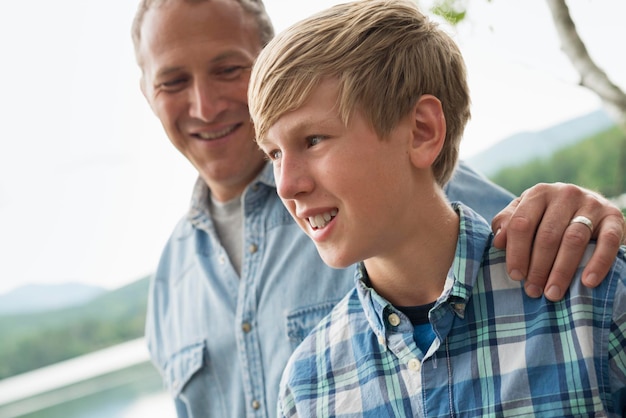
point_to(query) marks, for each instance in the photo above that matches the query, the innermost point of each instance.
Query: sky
(90, 187)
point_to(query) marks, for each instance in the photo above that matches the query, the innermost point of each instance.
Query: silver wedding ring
(582, 220)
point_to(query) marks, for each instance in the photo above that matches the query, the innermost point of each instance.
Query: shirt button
(381, 340)
(415, 365)
(252, 248)
(246, 327)
(256, 404)
(394, 319)
(222, 259)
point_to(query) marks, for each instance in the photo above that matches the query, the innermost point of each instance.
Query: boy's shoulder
(495, 276)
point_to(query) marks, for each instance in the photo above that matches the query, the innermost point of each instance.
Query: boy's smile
(347, 188)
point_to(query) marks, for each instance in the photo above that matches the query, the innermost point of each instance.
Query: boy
(361, 109)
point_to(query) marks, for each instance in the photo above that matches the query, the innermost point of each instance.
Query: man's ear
(428, 131)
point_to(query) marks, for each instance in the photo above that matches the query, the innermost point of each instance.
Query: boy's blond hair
(385, 55)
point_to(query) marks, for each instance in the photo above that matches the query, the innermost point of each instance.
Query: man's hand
(544, 249)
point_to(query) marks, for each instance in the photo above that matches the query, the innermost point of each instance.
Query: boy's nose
(292, 178)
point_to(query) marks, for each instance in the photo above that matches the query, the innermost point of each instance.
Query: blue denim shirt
(221, 341)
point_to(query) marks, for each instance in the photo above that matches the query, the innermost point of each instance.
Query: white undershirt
(228, 220)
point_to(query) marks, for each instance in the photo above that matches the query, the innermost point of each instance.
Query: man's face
(347, 188)
(196, 61)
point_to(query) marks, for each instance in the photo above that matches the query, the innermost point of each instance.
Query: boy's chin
(331, 259)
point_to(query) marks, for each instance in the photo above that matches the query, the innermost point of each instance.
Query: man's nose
(204, 101)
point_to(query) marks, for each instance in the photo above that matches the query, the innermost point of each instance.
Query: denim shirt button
(252, 248)
(246, 327)
(256, 404)
(222, 259)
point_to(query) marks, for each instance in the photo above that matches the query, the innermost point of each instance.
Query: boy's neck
(416, 274)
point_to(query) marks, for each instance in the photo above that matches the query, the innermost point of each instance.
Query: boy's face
(344, 185)
(196, 60)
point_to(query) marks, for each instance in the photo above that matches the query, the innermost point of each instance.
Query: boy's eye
(314, 140)
(274, 155)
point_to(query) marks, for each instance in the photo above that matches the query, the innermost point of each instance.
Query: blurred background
(90, 186)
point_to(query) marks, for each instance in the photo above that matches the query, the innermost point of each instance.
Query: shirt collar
(200, 196)
(474, 238)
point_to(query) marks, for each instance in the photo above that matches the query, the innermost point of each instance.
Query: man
(239, 285)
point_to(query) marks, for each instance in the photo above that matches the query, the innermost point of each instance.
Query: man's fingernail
(591, 279)
(516, 275)
(533, 290)
(553, 293)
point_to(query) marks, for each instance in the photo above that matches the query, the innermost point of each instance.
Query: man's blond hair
(385, 54)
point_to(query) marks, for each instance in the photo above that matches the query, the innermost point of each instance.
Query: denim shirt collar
(474, 238)
(199, 214)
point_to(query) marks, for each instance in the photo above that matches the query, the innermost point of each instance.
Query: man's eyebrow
(215, 60)
(167, 71)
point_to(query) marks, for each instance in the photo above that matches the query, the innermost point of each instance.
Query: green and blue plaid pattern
(497, 353)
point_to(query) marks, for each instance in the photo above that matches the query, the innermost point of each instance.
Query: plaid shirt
(497, 351)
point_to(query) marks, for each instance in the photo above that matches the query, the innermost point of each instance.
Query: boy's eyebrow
(304, 125)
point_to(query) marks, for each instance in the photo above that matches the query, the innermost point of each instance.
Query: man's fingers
(500, 222)
(546, 231)
(610, 234)
(573, 245)
(547, 246)
(520, 233)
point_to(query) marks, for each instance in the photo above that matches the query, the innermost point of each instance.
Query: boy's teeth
(322, 219)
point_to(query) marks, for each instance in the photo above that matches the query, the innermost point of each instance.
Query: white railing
(63, 384)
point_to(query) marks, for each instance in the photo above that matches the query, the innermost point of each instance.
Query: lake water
(135, 392)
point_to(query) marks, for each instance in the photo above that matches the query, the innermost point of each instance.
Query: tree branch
(592, 76)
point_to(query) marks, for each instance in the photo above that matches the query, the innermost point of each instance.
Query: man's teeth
(218, 134)
(321, 220)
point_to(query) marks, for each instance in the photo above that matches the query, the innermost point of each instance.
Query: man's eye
(232, 72)
(173, 85)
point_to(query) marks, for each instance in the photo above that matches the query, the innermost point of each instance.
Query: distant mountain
(38, 298)
(526, 146)
(32, 340)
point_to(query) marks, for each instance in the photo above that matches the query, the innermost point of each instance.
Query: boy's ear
(428, 131)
